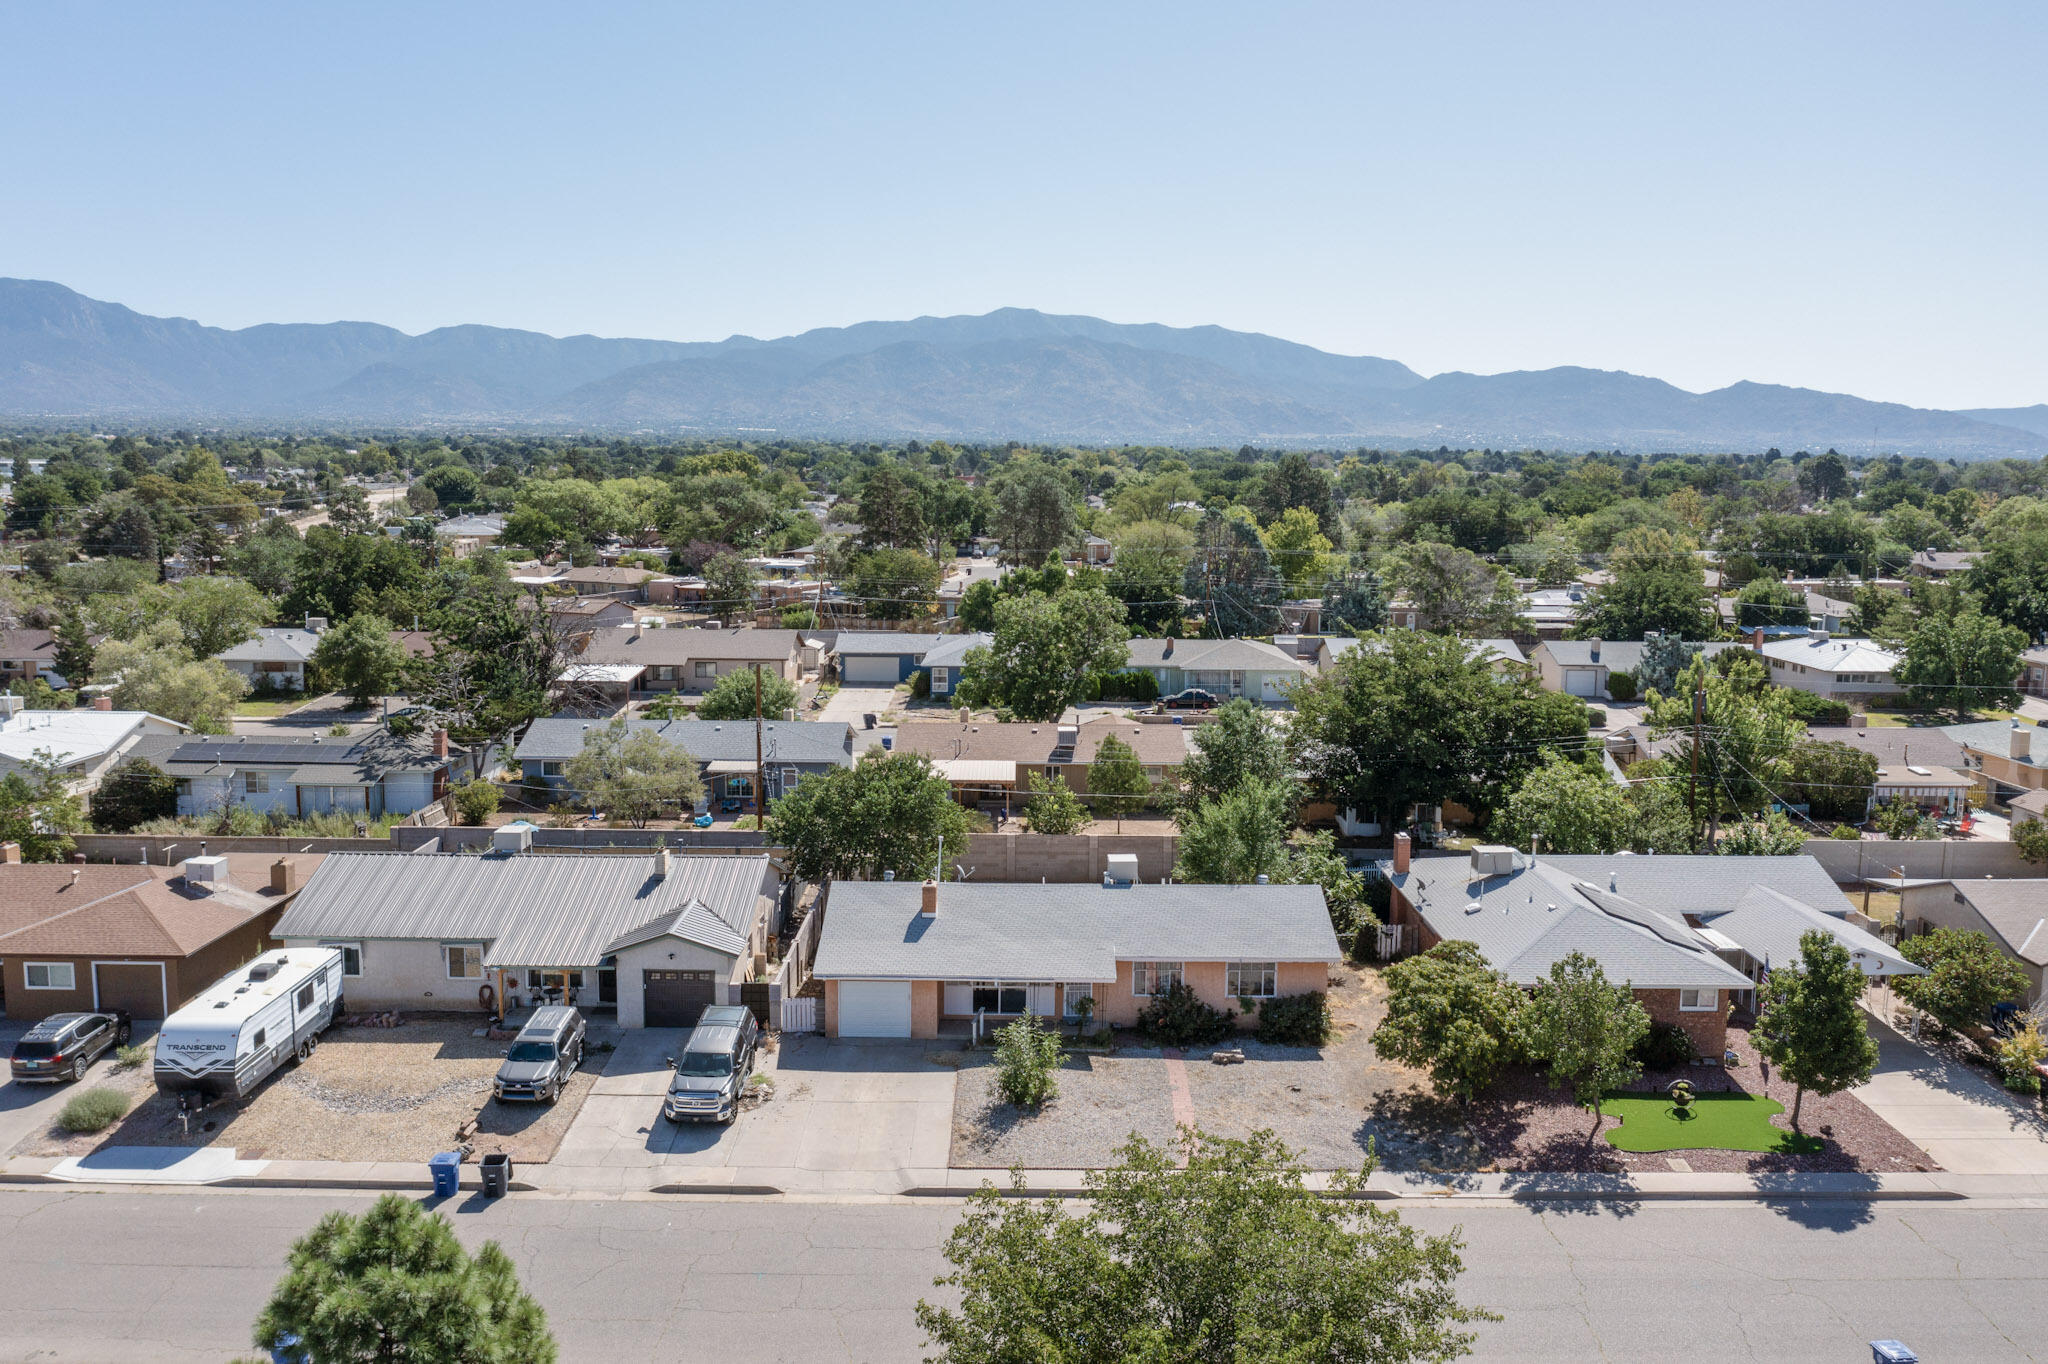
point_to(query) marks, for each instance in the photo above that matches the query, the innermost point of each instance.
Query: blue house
(882, 658)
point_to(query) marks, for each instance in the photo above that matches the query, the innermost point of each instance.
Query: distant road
(379, 497)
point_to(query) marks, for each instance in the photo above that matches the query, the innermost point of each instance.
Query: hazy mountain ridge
(1010, 374)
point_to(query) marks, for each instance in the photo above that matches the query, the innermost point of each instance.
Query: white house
(86, 743)
(1839, 669)
(276, 658)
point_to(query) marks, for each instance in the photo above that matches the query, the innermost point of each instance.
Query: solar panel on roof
(278, 751)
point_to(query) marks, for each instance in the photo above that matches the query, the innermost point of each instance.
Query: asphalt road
(176, 1276)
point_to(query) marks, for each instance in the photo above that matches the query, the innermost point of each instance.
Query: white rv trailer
(250, 1022)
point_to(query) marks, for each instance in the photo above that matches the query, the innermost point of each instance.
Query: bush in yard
(476, 801)
(1666, 1046)
(1967, 973)
(1584, 1029)
(92, 1110)
(2018, 1054)
(1621, 686)
(1301, 1020)
(1179, 1018)
(1846, 833)
(1026, 1058)
(1453, 1015)
(128, 1058)
(1809, 1021)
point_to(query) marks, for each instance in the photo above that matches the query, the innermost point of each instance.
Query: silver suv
(713, 1067)
(543, 1057)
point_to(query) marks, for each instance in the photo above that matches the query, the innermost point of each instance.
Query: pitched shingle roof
(40, 645)
(1155, 745)
(289, 645)
(1769, 925)
(133, 911)
(2016, 910)
(885, 642)
(1212, 655)
(788, 741)
(952, 650)
(639, 644)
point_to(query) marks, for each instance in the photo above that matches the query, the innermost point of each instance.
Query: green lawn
(1722, 1122)
(264, 710)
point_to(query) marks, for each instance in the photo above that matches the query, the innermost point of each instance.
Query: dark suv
(543, 1057)
(62, 1046)
(713, 1067)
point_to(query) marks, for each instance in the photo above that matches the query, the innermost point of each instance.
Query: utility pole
(1699, 705)
(760, 768)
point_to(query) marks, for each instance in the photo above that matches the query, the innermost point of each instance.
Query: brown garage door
(138, 989)
(675, 998)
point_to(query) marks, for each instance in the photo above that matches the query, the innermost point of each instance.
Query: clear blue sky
(1842, 196)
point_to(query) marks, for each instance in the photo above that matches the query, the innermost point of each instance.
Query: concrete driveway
(849, 704)
(1967, 1123)
(28, 1109)
(847, 1117)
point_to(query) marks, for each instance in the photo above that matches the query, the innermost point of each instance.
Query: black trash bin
(497, 1174)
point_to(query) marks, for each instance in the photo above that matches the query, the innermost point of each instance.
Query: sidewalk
(1967, 1123)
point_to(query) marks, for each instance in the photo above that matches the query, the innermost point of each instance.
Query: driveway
(847, 1116)
(29, 1110)
(849, 704)
(1967, 1123)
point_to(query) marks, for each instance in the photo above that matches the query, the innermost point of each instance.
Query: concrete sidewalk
(1969, 1124)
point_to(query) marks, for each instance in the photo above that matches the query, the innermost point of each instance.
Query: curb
(745, 1190)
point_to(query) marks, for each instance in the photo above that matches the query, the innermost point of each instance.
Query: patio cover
(979, 770)
(602, 672)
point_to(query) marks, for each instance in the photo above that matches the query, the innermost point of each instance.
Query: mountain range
(66, 359)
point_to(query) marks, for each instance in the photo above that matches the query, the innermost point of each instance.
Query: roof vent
(1492, 859)
(1474, 907)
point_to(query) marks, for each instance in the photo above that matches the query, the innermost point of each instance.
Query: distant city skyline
(1839, 197)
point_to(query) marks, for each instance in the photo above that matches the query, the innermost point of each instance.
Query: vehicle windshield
(532, 1051)
(704, 1063)
(34, 1051)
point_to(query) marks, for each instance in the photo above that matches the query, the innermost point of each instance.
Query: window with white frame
(1076, 991)
(50, 975)
(351, 957)
(706, 668)
(551, 768)
(535, 979)
(256, 783)
(1154, 977)
(465, 960)
(1251, 979)
(1699, 1001)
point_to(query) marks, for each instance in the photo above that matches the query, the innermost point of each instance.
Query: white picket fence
(801, 1015)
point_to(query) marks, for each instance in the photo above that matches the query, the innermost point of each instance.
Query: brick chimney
(1756, 638)
(1167, 652)
(10, 854)
(1403, 846)
(440, 743)
(284, 877)
(103, 703)
(928, 903)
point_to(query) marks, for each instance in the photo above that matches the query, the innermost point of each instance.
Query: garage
(137, 987)
(875, 670)
(674, 999)
(874, 1008)
(1582, 682)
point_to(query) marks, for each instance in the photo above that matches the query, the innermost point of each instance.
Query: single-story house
(658, 936)
(1227, 667)
(2012, 913)
(694, 660)
(371, 774)
(984, 758)
(1580, 667)
(85, 743)
(470, 533)
(141, 938)
(1552, 612)
(591, 613)
(881, 658)
(1096, 550)
(684, 590)
(29, 653)
(1653, 923)
(2033, 679)
(1839, 669)
(1504, 655)
(2010, 756)
(276, 658)
(945, 660)
(791, 750)
(1893, 746)
(1934, 563)
(899, 959)
(2032, 805)
(597, 581)
(1938, 789)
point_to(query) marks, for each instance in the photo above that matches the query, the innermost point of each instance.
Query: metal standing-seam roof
(529, 909)
(873, 929)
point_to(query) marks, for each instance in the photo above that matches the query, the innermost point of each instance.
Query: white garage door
(1581, 682)
(873, 669)
(874, 1008)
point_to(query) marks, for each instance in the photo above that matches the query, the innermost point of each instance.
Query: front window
(739, 787)
(1076, 991)
(705, 669)
(704, 1063)
(465, 961)
(50, 975)
(531, 1051)
(351, 957)
(1251, 979)
(551, 769)
(1699, 1001)
(1154, 977)
(992, 997)
(536, 979)
(256, 783)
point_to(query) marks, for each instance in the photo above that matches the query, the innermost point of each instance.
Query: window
(998, 998)
(664, 672)
(256, 783)
(534, 982)
(739, 788)
(1154, 977)
(261, 1035)
(942, 678)
(306, 995)
(1251, 979)
(50, 975)
(351, 957)
(705, 669)
(551, 769)
(1077, 990)
(465, 961)
(1699, 1001)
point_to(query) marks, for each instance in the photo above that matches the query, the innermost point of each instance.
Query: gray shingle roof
(640, 644)
(1063, 932)
(885, 642)
(786, 741)
(273, 646)
(371, 757)
(2017, 910)
(1769, 925)
(1213, 655)
(951, 651)
(1621, 655)
(694, 922)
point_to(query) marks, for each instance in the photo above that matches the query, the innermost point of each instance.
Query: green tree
(1354, 604)
(1053, 808)
(633, 774)
(1810, 1021)
(1300, 550)
(1229, 1256)
(1043, 652)
(891, 511)
(360, 657)
(1117, 781)
(1313, 859)
(267, 558)
(1768, 602)
(732, 696)
(1236, 837)
(1900, 819)
(895, 584)
(1961, 662)
(74, 648)
(1967, 973)
(494, 664)
(1656, 585)
(2011, 577)
(394, 1284)
(1584, 1030)
(1033, 514)
(1455, 590)
(887, 812)
(1240, 744)
(1770, 834)
(134, 793)
(476, 801)
(1027, 1063)
(37, 808)
(349, 511)
(216, 613)
(1229, 579)
(1452, 1014)
(156, 672)
(1146, 577)
(1833, 780)
(1573, 808)
(1747, 727)
(2030, 840)
(729, 585)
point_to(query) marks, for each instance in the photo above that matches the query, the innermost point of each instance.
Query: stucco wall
(654, 956)
(405, 975)
(1708, 1031)
(1116, 1004)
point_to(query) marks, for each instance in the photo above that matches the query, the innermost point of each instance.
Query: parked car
(713, 1067)
(542, 1057)
(63, 1046)
(1194, 698)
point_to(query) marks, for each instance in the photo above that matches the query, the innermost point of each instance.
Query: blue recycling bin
(1891, 1352)
(286, 1351)
(446, 1168)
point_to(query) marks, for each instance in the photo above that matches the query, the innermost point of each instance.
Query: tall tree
(2012, 578)
(1656, 585)
(360, 657)
(1117, 783)
(216, 613)
(891, 812)
(1450, 1013)
(1747, 726)
(1810, 1021)
(158, 673)
(734, 695)
(1455, 590)
(895, 584)
(134, 793)
(1239, 745)
(38, 809)
(1236, 837)
(891, 511)
(1572, 807)
(1962, 662)
(1300, 551)
(1033, 515)
(729, 585)
(1584, 1030)
(1151, 559)
(633, 774)
(1230, 580)
(1043, 652)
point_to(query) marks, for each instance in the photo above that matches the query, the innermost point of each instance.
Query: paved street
(672, 1278)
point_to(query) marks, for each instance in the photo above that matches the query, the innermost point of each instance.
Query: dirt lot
(1328, 1103)
(365, 1094)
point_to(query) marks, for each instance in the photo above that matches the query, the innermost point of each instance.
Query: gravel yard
(1326, 1103)
(365, 1094)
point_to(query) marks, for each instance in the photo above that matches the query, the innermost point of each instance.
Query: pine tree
(1809, 1022)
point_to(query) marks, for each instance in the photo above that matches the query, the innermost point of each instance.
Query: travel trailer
(250, 1022)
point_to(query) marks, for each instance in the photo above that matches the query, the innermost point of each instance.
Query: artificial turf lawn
(1721, 1122)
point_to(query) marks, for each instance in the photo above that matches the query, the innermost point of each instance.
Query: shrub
(476, 801)
(1301, 1020)
(1621, 686)
(1026, 1058)
(2018, 1053)
(1179, 1018)
(1666, 1046)
(1596, 717)
(1817, 710)
(799, 618)
(1123, 686)
(92, 1110)
(128, 1058)
(1846, 833)
(921, 684)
